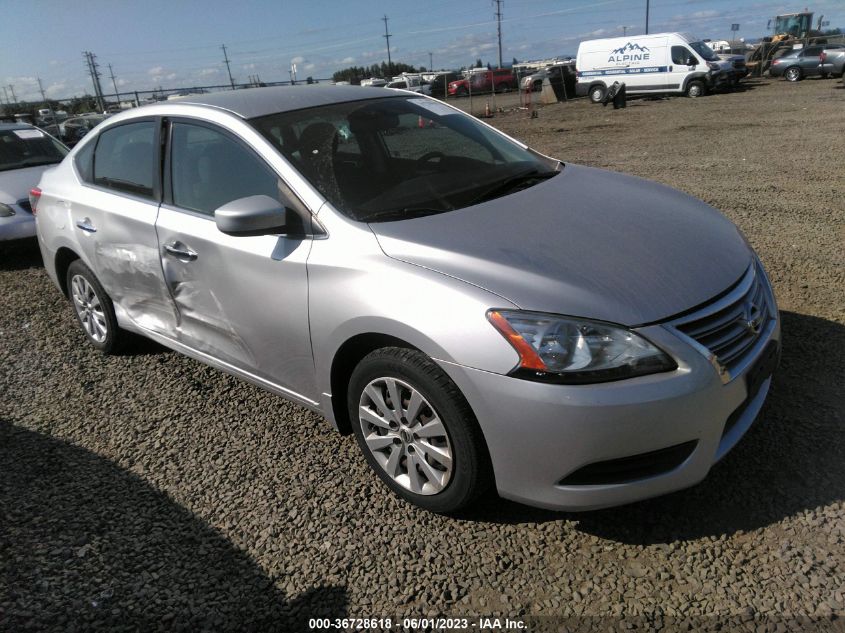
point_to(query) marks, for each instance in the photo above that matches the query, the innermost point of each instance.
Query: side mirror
(692, 61)
(253, 215)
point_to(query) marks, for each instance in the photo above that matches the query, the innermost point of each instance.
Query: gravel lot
(147, 491)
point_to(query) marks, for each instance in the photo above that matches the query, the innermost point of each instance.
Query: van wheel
(94, 309)
(597, 93)
(416, 430)
(695, 89)
(793, 74)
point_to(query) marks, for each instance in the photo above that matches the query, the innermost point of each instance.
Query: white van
(648, 64)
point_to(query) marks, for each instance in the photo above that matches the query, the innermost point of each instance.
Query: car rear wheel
(793, 74)
(597, 94)
(695, 89)
(416, 430)
(94, 309)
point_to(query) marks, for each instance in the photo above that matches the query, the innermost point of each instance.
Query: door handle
(180, 251)
(86, 226)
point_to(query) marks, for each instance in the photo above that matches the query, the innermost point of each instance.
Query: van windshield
(705, 51)
(401, 157)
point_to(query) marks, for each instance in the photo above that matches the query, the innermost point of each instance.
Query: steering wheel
(428, 156)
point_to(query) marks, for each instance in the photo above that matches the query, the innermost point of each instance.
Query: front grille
(24, 204)
(729, 327)
(739, 64)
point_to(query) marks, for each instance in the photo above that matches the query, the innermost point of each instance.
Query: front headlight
(560, 349)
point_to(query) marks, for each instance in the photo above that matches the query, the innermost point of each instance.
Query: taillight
(822, 57)
(34, 197)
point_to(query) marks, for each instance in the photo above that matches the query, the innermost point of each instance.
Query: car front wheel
(597, 94)
(695, 89)
(416, 430)
(94, 309)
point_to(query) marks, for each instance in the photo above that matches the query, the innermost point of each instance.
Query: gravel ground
(147, 491)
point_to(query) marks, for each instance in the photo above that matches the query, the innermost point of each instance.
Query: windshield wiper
(508, 184)
(403, 214)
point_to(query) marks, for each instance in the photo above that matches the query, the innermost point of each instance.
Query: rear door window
(125, 158)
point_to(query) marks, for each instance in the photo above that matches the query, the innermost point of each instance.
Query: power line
(229, 70)
(499, 25)
(387, 37)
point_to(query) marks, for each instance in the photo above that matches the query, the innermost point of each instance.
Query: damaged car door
(229, 291)
(115, 220)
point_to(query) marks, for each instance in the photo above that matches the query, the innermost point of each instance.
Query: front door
(241, 300)
(682, 61)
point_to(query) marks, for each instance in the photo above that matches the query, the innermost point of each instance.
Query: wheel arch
(702, 77)
(64, 258)
(345, 359)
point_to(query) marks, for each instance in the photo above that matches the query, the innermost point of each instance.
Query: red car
(500, 80)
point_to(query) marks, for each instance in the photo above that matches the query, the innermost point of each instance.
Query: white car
(25, 153)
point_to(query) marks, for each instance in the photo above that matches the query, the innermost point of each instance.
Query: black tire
(597, 93)
(695, 89)
(115, 338)
(461, 92)
(470, 471)
(792, 73)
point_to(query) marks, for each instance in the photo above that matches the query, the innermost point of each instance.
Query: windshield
(705, 51)
(28, 147)
(401, 157)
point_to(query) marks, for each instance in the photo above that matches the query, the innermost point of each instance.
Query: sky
(177, 43)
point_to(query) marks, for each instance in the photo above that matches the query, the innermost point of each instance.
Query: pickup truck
(500, 80)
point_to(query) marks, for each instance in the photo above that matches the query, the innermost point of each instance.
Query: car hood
(588, 242)
(16, 183)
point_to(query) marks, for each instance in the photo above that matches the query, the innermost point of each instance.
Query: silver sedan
(478, 314)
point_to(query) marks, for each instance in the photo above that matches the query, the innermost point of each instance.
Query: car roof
(16, 126)
(257, 102)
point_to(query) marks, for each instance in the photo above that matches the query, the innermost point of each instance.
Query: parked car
(832, 61)
(72, 130)
(807, 62)
(440, 83)
(499, 80)
(455, 299)
(650, 64)
(25, 153)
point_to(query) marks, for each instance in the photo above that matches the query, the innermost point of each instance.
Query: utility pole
(114, 83)
(430, 61)
(646, 16)
(14, 98)
(6, 92)
(387, 37)
(95, 78)
(499, 22)
(228, 69)
(47, 103)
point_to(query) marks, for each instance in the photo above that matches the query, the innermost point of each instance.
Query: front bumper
(539, 435)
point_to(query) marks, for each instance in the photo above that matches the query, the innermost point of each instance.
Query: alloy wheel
(89, 309)
(405, 435)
